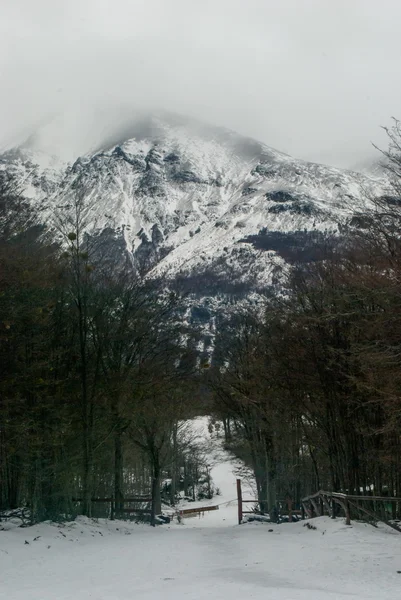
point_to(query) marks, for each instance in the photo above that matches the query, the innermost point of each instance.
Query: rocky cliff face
(187, 198)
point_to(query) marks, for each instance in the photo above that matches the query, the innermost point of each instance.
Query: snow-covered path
(207, 558)
(113, 561)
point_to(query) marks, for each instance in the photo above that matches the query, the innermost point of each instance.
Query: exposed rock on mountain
(188, 197)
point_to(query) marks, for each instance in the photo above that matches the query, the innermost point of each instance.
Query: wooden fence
(386, 509)
(200, 510)
(241, 512)
(118, 508)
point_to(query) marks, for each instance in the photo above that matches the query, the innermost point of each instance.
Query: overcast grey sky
(314, 78)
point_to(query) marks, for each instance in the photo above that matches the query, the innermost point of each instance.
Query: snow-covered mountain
(189, 196)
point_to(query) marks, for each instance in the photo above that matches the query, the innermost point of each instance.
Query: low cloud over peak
(313, 78)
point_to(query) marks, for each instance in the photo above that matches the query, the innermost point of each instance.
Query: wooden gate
(242, 512)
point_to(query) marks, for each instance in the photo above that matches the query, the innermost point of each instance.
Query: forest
(313, 384)
(96, 373)
(99, 370)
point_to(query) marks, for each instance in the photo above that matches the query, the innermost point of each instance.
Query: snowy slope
(187, 194)
(201, 558)
(119, 561)
(224, 470)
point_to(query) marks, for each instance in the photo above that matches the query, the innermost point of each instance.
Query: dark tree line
(96, 371)
(309, 387)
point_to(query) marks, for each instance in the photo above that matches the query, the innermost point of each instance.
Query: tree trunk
(13, 481)
(87, 471)
(173, 486)
(186, 482)
(271, 484)
(156, 496)
(118, 471)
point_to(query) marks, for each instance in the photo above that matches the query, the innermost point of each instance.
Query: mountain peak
(205, 190)
(77, 133)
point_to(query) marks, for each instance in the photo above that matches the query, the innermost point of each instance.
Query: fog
(314, 78)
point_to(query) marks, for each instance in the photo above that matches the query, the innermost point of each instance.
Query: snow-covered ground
(224, 470)
(118, 561)
(202, 558)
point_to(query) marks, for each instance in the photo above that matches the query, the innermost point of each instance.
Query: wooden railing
(373, 508)
(118, 509)
(199, 510)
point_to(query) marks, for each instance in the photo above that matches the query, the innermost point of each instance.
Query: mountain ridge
(187, 194)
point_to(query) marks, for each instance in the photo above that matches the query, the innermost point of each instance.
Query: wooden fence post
(325, 504)
(289, 504)
(315, 507)
(239, 497)
(347, 512)
(155, 483)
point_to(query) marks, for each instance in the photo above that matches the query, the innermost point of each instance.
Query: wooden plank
(307, 509)
(347, 512)
(239, 501)
(94, 499)
(384, 498)
(134, 510)
(316, 507)
(136, 499)
(351, 496)
(200, 509)
(313, 496)
(327, 505)
(345, 506)
(375, 517)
